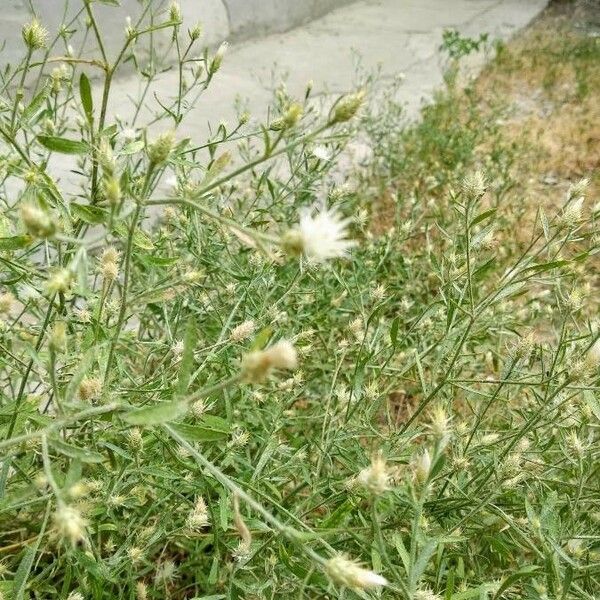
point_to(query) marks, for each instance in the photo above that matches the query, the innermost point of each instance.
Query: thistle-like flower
(320, 235)
(375, 477)
(242, 331)
(198, 517)
(35, 35)
(349, 573)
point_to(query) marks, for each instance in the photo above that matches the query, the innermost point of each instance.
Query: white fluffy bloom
(321, 152)
(320, 235)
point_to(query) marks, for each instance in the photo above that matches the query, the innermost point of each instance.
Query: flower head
(375, 477)
(320, 235)
(257, 365)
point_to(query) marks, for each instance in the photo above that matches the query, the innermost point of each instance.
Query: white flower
(320, 235)
(129, 134)
(321, 152)
(375, 477)
(350, 574)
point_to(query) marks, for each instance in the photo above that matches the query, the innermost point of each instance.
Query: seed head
(349, 573)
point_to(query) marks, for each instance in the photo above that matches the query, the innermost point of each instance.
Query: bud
(141, 591)
(175, 12)
(58, 337)
(70, 524)
(112, 190)
(34, 35)
(59, 282)
(293, 114)
(244, 118)
(159, 151)
(38, 223)
(347, 107)
(135, 439)
(217, 60)
(422, 466)
(258, 365)
(198, 517)
(195, 32)
(106, 157)
(349, 573)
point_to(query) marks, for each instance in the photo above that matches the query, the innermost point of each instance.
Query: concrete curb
(221, 20)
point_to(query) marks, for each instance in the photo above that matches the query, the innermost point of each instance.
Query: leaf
(85, 93)
(209, 429)
(132, 147)
(63, 145)
(483, 216)
(394, 331)
(527, 571)
(82, 454)
(22, 574)
(34, 106)
(555, 264)
(15, 242)
(92, 215)
(187, 358)
(157, 414)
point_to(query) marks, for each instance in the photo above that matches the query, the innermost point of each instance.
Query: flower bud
(347, 107)
(195, 32)
(58, 337)
(38, 223)
(217, 60)
(349, 573)
(159, 151)
(34, 35)
(60, 281)
(112, 190)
